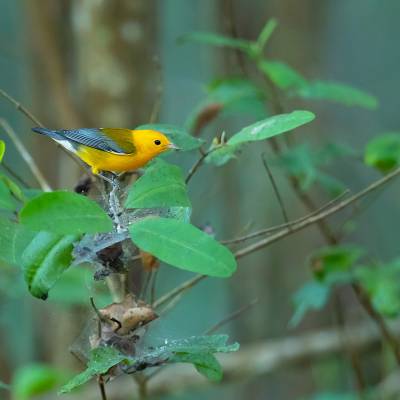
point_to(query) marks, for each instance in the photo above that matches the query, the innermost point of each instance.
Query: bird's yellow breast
(103, 161)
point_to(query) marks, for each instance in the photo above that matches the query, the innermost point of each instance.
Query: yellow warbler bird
(111, 149)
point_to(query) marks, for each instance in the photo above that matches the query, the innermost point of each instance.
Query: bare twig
(102, 387)
(178, 290)
(197, 165)
(20, 108)
(30, 162)
(266, 231)
(231, 317)
(13, 174)
(276, 190)
(319, 217)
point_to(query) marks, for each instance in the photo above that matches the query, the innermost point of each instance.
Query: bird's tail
(48, 132)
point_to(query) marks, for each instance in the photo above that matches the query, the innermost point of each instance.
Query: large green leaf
(101, 360)
(162, 185)
(183, 246)
(339, 93)
(65, 213)
(13, 240)
(214, 39)
(180, 137)
(2, 150)
(34, 379)
(272, 126)
(383, 152)
(45, 259)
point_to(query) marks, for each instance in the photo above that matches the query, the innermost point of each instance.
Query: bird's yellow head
(151, 142)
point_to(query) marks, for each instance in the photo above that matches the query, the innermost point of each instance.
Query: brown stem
(276, 190)
(102, 388)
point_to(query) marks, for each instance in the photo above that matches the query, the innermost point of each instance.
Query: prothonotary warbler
(111, 149)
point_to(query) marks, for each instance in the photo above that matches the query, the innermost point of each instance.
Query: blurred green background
(109, 63)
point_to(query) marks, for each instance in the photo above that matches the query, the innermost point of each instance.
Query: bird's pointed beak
(173, 146)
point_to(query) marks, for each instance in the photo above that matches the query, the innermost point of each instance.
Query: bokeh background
(112, 63)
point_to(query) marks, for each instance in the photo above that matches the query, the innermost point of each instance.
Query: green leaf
(183, 246)
(205, 363)
(229, 96)
(381, 284)
(14, 189)
(266, 33)
(223, 154)
(34, 379)
(180, 137)
(383, 152)
(214, 39)
(4, 386)
(101, 360)
(197, 350)
(312, 296)
(45, 259)
(282, 75)
(2, 150)
(272, 126)
(334, 259)
(162, 185)
(339, 93)
(13, 240)
(65, 213)
(304, 163)
(7, 200)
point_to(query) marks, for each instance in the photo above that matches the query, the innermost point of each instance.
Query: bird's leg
(115, 205)
(106, 178)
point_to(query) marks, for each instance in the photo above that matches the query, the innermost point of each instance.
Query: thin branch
(319, 217)
(276, 190)
(30, 162)
(178, 290)
(231, 317)
(102, 387)
(197, 165)
(20, 108)
(266, 231)
(13, 174)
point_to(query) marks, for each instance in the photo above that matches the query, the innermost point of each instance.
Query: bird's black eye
(157, 142)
